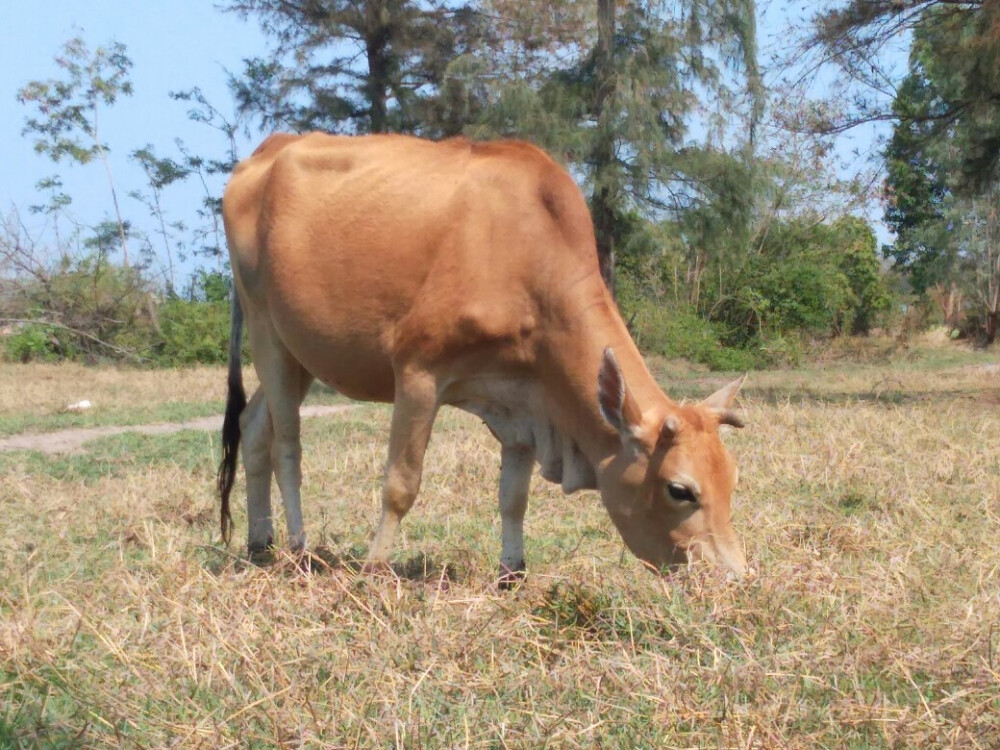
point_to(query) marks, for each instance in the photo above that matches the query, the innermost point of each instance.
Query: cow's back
(372, 250)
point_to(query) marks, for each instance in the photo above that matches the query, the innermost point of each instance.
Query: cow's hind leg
(414, 409)
(516, 464)
(258, 442)
(284, 383)
(255, 424)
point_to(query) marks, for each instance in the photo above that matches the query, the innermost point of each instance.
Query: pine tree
(617, 104)
(355, 67)
(960, 40)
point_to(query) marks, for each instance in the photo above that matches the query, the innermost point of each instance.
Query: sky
(176, 45)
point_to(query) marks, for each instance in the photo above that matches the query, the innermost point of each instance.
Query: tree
(160, 173)
(963, 37)
(945, 224)
(859, 262)
(646, 84)
(67, 124)
(603, 202)
(356, 67)
(917, 191)
(617, 104)
(208, 235)
(55, 206)
(974, 242)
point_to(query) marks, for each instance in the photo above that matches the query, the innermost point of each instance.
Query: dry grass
(874, 620)
(34, 397)
(50, 387)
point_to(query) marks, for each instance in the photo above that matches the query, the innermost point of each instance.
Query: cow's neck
(584, 322)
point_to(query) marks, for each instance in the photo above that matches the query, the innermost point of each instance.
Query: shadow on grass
(884, 394)
(18, 733)
(889, 396)
(419, 568)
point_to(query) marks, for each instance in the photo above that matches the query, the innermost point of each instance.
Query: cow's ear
(721, 403)
(617, 405)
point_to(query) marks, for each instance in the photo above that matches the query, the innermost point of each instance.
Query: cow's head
(668, 488)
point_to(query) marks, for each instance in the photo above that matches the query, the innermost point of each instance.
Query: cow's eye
(681, 493)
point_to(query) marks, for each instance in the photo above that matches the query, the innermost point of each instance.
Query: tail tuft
(236, 401)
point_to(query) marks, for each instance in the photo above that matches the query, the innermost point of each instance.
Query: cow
(421, 273)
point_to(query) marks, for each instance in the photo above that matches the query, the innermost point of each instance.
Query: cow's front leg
(414, 410)
(516, 464)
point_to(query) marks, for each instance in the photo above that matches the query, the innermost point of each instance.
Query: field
(869, 506)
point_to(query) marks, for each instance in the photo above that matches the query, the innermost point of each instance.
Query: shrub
(84, 308)
(33, 342)
(193, 332)
(678, 331)
(809, 278)
(87, 308)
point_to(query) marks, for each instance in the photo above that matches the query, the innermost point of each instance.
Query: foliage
(211, 286)
(860, 265)
(957, 44)
(959, 47)
(193, 332)
(160, 173)
(87, 308)
(917, 190)
(196, 330)
(619, 106)
(35, 342)
(727, 243)
(68, 108)
(678, 331)
(814, 278)
(67, 124)
(946, 227)
(374, 66)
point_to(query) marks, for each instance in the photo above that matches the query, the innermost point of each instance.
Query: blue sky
(174, 46)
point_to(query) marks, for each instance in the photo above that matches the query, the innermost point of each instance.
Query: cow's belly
(352, 364)
(325, 330)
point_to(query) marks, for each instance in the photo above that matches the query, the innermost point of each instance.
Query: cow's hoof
(261, 553)
(511, 576)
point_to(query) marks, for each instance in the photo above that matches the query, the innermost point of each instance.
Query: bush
(90, 309)
(193, 333)
(84, 308)
(33, 342)
(678, 331)
(809, 279)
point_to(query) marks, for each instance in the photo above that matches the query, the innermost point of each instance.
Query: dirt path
(72, 440)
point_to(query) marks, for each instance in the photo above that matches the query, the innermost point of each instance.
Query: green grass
(117, 456)
(18, 422)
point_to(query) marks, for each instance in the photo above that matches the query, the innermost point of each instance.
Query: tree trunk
(376, 49)
(605, 178)
(992, 320)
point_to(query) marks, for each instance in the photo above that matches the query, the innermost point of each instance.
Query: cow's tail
(236, 401)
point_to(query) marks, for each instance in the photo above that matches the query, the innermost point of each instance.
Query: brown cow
(401, 270)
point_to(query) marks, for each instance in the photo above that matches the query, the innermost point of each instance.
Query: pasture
(869, 507)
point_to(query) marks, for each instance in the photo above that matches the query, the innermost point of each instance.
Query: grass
(33, 398)
(873, 619)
